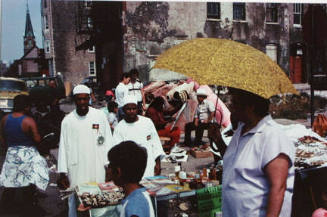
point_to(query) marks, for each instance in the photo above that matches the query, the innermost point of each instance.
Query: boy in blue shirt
(126, 168)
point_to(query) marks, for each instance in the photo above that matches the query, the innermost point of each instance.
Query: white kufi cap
(80, 89)
(130, 99)
(201, 92)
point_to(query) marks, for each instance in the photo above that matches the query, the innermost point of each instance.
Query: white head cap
(129, 99)
(80, 89)
(201, 92)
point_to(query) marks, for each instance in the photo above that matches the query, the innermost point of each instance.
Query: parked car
(9, 88)
(45, 89)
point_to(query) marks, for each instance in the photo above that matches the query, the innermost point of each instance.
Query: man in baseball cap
(203, 116)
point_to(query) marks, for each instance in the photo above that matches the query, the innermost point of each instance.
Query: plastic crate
(209, 201)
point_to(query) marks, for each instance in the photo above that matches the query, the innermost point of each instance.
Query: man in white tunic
(140, 130)
(84, 143)
(258, 174)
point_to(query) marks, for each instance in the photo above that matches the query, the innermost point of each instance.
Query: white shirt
(112, 119)
(80, 155)
(144, 134)
(204, 109)
(135, 90)
(120, 92)
(245, 185)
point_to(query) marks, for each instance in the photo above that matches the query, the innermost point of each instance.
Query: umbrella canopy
(227, 63)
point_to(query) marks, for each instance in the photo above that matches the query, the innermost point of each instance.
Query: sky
(13, 27)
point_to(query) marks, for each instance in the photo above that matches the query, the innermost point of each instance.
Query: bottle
(204, 173)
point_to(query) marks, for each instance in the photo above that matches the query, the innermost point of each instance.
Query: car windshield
(12, 85)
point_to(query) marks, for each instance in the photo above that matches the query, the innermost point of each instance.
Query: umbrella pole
(221, 115)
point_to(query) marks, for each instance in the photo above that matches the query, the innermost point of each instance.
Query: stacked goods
(310, 152)
(97, 195)
(102, 199)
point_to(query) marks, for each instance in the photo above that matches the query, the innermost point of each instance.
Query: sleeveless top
(14, 132)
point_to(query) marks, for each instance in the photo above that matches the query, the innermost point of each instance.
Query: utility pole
(1, 36)
(312, 64)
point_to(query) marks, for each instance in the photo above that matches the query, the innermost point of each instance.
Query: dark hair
(21, 102)
(111, 106)
(125, 75)
(157, 103)
(261, 105)
(134, 72)
(130, 158)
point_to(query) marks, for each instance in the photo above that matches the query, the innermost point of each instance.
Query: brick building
(61, 39)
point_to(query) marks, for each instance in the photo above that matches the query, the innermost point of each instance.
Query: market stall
(310, 167)
(188, 194)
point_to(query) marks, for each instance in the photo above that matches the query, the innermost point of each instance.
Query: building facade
(61, 39)
(132, 34)
(275, 29)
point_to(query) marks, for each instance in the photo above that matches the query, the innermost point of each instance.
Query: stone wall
(152, 27)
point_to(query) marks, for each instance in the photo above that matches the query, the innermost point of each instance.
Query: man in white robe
(142, 131)
(84, 143)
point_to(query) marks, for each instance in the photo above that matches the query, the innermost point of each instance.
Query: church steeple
(29, 38)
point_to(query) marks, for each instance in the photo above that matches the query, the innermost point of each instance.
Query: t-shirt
(135, 90)
(138, 203)
(120, 92)
(204, 109)
(245, 184)
(144, 134)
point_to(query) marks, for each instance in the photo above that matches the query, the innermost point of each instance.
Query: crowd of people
(123, 144)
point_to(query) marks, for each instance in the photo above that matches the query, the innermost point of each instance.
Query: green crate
(209, 201)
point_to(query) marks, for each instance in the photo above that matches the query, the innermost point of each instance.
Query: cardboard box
(201, 153)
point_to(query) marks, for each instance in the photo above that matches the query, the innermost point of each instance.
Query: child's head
(127, 163)
(112, 106)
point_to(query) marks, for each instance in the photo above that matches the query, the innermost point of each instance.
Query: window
(238, 11)
(272, 13)
(91, 50)
(45, 3)
(271, 51)
(46, 23)
(297, 14)
(47, 46)
(92, 68)
(213, 10)
(89, 22)
(88, 3)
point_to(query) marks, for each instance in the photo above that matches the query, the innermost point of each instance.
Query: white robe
(143, 133)
(80, 155)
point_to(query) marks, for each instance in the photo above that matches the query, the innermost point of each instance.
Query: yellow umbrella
(227, 63)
